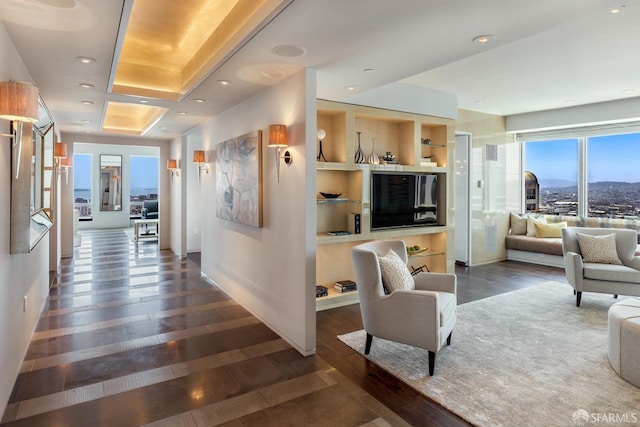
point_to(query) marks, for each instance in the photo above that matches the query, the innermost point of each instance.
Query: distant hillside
(556, 183)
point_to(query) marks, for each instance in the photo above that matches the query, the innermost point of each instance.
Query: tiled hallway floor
(132, 336)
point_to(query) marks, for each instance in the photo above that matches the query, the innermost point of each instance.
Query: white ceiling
(546, 54)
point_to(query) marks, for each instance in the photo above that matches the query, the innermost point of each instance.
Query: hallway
(131, 336)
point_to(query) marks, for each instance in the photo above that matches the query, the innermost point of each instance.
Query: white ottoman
(624, 339)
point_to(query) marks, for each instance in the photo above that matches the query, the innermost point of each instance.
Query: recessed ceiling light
(369, 70)
(288, 51)
(87, 102)
(87, 131)
(224, 82)
(616, 10)
(628, 90)
(85, 59)
(350, 88)
(86, 121)
(570, 101)
(479, 101)
(143, 101)
(182, 113)
(86, 85)
(199, 100)
(486, 38)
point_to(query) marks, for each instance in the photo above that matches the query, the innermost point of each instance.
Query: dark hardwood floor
(132, 336)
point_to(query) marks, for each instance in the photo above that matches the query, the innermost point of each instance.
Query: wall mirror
(110, 182)
(31, 192)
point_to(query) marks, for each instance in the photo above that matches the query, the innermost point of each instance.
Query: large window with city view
(144, 182)
(611, 177)
(143, 172)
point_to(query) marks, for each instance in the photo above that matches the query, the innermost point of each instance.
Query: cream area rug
(525, 358)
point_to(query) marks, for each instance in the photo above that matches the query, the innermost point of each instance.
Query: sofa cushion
(531, 229)
(551, 246)
(395, 273)
(518, 225)
(598, 249)
(549, 230)
(611, 273)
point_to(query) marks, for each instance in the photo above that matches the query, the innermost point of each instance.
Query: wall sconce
(201, 162)
(19, 104)
(321, 135)
(65, 165)
(278, 139)
(172, 166)
(59, 154)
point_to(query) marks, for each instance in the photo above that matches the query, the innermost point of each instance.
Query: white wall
(126, 146)
(22, 275)
(193, 224)
(177, 188)
(270, 270)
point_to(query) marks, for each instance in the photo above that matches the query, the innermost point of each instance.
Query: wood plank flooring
(133, 336)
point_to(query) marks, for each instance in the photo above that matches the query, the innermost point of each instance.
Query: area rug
(524, 358)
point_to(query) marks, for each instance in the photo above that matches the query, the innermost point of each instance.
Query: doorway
(462, 191)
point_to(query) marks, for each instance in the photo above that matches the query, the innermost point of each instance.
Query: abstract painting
(239, 179)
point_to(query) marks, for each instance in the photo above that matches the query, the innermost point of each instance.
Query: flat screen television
(403, 200)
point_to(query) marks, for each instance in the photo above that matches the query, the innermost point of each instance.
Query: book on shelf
(338, 233)
(345, 286)
(321, 291)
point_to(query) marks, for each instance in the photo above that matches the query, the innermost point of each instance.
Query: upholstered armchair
(595, 262)
(422, 317)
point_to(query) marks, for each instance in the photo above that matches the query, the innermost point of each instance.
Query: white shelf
(336, 299)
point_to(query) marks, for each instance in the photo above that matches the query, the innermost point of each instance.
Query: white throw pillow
(518, 225)
(395, 273)
(598, 249)
(531, 229)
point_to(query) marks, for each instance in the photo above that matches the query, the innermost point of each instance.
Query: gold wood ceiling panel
(169, 46)
(130, 119)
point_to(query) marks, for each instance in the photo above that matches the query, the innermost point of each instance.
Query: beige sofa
(602, 277)
(548, 251)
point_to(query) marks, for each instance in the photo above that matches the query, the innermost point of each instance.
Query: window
(554, 166)
(144, 182)
(613, 176)
(82, 193)
(609, 182)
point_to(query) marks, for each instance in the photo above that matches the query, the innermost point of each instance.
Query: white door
(462, 218)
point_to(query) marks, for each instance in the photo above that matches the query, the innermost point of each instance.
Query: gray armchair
(613, 279)
(423, 317)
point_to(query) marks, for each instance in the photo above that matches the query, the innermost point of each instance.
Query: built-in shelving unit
(420, 144)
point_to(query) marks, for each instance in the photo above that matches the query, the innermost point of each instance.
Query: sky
(609, 158)
(143, 170)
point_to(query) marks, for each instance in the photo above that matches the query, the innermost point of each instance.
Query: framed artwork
(239, 179)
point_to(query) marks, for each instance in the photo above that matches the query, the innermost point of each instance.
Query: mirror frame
(29, 220)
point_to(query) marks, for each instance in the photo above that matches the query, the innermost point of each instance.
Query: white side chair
(423, 317)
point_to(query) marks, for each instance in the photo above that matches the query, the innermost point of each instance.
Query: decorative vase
(359, 157)
(373, 158)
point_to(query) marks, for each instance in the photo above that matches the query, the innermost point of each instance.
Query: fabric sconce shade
(172, 164)
(278, 136)
(19, 102)
(198, 157)
(59, 150)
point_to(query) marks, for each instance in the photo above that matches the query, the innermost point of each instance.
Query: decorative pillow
(549, 230)
(598, 249)
(395, 274)
(531, 229)
(518, 225)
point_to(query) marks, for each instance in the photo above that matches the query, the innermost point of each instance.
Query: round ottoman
(624, 339)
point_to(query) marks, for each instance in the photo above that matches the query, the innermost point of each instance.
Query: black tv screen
(403, 200)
